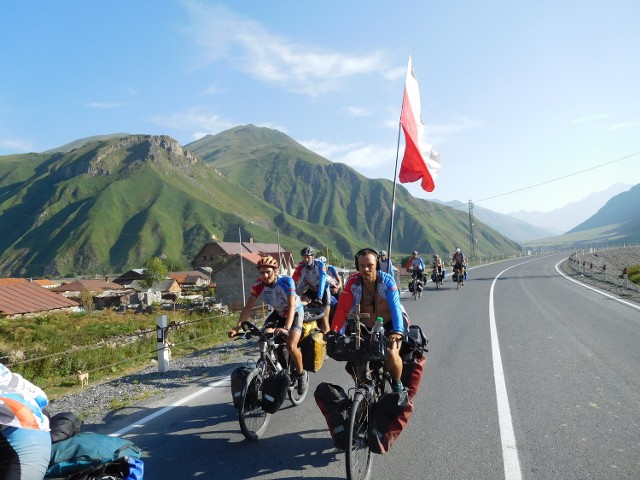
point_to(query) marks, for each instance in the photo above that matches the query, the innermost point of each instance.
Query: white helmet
(323, 259)
(458, 250)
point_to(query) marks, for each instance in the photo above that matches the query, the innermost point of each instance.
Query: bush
(634, 274)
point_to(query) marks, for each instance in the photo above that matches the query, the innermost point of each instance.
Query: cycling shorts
(275, 320)
(313, 294)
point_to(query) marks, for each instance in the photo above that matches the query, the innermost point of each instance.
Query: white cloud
(16, 145)
(622, 126)
(224, 35)
(592, 118)
(104, 105)
(196, 121)
(357, 155)
(212, 90)
(356, 112)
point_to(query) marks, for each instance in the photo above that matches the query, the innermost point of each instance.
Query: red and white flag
(420, 161)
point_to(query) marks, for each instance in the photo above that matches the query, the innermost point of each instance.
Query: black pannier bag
(334, 404)
(414, 343)
(413, 360)
(389, 415)
(63, 425)
(274, 391)
(237, 383)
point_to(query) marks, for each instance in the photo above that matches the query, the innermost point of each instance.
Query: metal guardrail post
(162, 344)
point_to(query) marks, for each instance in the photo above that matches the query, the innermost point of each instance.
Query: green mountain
(106, 204)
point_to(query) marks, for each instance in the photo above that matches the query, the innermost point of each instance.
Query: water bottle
(377, 335)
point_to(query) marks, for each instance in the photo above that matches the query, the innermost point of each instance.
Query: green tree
(154, 270)
(86, 300)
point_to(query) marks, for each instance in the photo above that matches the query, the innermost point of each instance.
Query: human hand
(232, 333)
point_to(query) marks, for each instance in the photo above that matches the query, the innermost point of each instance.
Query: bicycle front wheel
(253, 419)
(294, 393)
(359, 456)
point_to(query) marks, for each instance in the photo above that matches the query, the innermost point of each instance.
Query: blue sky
(514, 94)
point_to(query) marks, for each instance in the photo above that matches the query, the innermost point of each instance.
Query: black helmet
(308, 251)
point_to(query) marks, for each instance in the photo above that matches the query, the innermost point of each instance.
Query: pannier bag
(274, 391)
(414, 342)
(124, 468)
(313, 349)
(237, 383)
(85, 450)
(412, 372)
(388, 418)
(413, 360)
(64, 425)
(334, 405)
(307, 328)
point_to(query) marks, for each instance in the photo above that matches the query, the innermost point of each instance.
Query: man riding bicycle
(278, 291)
(377, 294)
(333, 278)
(310, 278)
(458, 262)
(438, 267)
(415, 263)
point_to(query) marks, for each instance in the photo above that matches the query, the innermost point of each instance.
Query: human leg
(24, 453)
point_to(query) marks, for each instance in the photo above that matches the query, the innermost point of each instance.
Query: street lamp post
(241, 262)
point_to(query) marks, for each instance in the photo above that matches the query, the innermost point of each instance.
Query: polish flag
(420, 161)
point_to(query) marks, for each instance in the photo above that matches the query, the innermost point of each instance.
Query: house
(128, 278)
(162, 289)
(45, 283)
(104, 294)
(20, 297)
(229, 279)
(216, 254)
(192, 280)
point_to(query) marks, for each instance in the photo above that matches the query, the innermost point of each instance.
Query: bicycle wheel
(253, 420)
(296, 397)
(359, 456)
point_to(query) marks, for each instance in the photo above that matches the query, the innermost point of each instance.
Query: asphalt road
(529, 376)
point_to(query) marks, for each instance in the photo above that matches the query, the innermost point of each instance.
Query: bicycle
(366, 359)
(458, 275)
(437, 277)
(415, 285)
(274, 358)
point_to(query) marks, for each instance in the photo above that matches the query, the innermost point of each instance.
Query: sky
(531, 104)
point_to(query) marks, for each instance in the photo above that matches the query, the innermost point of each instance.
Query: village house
(104, 294)
(20, 297)
(167, 289)
(229, 279)
(192, 280)
(216, 254)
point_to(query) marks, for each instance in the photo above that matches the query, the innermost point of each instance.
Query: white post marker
(162, 345)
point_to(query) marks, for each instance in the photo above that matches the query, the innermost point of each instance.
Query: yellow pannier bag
(313, 349)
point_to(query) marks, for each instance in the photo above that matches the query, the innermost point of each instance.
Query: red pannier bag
(389, 415)
(334, 405)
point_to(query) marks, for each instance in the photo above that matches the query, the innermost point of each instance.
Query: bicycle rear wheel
(359, 456)
(253, 420)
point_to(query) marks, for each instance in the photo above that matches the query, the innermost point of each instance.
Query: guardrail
(582, 262)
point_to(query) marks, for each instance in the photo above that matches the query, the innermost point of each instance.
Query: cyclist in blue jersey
(333, 278)
(310, 277)
(377, 294)
(279, 291)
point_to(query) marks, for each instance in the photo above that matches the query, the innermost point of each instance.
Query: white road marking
(510, 459)
(166, 409)
(608, 295)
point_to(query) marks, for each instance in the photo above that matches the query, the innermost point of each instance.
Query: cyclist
(279, 291)
(415, 263)
(377, 294)
(459, 262)
(385, 262)
(310, 277)
(25, 438)
(438, 267)
(333, 278)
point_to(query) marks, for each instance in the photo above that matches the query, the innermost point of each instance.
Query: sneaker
(303, 382)
(398, 387)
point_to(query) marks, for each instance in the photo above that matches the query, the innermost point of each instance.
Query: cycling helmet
(415, 252)
(323, 259)
(383, 253)
(268, 261)
(308, 251)
(458, 250)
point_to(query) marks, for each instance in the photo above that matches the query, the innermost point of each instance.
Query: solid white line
(164, 410)
(510, 458)
(608, 295)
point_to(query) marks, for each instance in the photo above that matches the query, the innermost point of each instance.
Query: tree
(154, 270)
(86, 300)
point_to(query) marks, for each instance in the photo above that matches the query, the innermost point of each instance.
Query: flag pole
(395, 182)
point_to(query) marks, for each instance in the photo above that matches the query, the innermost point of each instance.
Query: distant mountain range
(563, 219)
(105, 204)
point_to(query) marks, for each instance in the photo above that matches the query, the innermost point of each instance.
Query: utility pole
(472, 240)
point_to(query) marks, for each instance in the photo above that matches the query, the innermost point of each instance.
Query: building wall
(229, 284)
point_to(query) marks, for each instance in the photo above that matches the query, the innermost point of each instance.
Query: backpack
(274, 391)
(124, 468)
(313, 349)
(85, 450)
(237, 383)
(63, 425)
(334, 405)
(388, 418)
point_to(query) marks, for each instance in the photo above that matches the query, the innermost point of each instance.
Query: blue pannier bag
(86, 450)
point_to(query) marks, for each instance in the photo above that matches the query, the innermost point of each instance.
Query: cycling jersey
(21, 402)
(352, 293)
(278, 295)
(416, 263)
(458, 259)
(311, 278)
(386, 266)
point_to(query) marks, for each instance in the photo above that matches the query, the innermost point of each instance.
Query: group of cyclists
(372, 289)
(415, 263)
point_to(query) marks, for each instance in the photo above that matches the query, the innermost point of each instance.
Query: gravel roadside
(94, 404)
